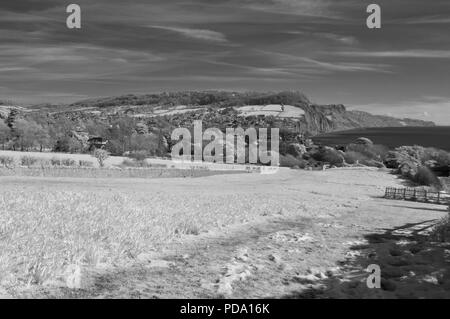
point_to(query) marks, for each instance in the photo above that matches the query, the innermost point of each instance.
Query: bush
(101, 156)
(329, 156)
(441, 233)
(352, 157)
(418, 154)
(43, 162)
(68, 162)
(134, 163)
(425, 176)
(85, 163)
(441, 157)
(138, 155)
(377, 152)
(55, 161)
(7, 161)
(291, 161)
(28, 160)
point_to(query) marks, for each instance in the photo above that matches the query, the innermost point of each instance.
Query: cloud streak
(197, 34)
(425, 54)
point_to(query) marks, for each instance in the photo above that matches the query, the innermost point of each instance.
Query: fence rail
(417, 195)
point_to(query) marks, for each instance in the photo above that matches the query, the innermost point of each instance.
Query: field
(290, 234)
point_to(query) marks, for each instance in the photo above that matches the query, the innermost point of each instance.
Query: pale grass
(42, 233)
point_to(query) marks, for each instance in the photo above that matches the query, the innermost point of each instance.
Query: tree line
(60, 134)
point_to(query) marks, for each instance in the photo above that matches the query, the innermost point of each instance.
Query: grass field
(53, 231)
(49, 225)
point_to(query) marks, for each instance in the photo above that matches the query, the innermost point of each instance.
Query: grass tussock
(441, 232)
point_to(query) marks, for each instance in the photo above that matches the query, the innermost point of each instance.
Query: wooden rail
(417, 195)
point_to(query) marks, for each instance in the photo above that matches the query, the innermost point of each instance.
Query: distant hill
(287, 110)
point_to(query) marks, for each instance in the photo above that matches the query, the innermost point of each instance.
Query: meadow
(56, 232)
(50, 226)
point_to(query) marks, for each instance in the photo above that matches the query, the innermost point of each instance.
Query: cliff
(287, 110)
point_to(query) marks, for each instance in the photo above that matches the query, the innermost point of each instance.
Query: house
(96, 142)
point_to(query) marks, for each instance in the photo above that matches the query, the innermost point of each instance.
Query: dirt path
(287, 258)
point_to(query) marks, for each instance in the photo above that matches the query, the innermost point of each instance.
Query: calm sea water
(392, 137)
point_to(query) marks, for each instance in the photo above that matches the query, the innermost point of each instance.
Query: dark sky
(320, 47)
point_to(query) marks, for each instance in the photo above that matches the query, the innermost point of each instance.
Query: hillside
(132, 123)
(290, 110)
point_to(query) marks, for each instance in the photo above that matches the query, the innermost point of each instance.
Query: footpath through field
(341, 226)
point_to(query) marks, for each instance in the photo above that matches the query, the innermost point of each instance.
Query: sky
(320, 47)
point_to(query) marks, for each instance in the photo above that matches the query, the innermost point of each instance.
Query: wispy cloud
(344, 39)
(302, 63)
(349, 66)
(13, 69)
(198, 34)
(28, 5)
(429, 54)
(315, 8)
(436, 19)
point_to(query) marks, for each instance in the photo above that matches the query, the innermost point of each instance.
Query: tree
(26, 133)
(145, 142)
(101, 156)
(11, 119)
(119, 135)
(42, 138)
(5, 134)
(67, 144)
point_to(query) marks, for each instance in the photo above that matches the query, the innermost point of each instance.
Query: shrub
(418, 154)
(291, 161)
(43, 162)
(68, 162)
(352, 157)
(55, 161)
(101, 156)
(7, 161)
(441, 157)
(139, 155)
(85, 163)
(134, 163)
(28, 160)
(370, 151)
(441, 233)
(425, 176)
(330, 156)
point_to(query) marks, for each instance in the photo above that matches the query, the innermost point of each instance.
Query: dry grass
(43, 233)
(49, 227)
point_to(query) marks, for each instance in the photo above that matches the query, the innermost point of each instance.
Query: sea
(392, 137)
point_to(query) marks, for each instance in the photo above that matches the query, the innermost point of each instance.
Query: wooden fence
(417, 195)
